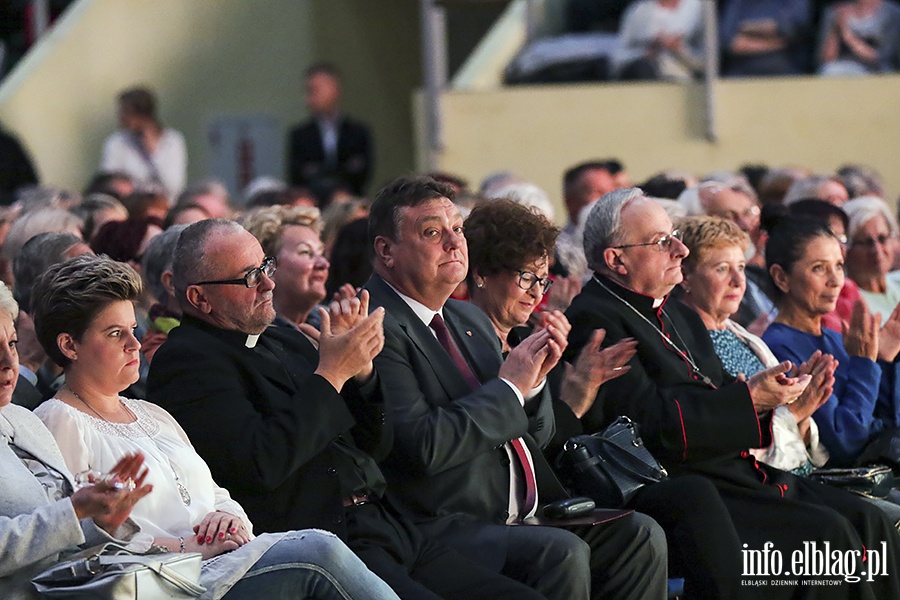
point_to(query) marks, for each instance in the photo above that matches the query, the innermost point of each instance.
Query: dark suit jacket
(448, 467)
(306, 155)
(268, 431)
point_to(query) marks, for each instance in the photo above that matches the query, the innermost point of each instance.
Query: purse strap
(161, 569)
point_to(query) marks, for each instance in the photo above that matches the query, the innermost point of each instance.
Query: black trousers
(708, 522)
(628, 558)
(417, 568)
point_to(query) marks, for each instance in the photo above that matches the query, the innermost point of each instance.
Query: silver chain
(182, 490)
(682, 353)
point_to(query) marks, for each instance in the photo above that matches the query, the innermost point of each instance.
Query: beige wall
(539, 131)
(209, 57)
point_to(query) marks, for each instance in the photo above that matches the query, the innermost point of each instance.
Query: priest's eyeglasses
(663, 244)
(253, 276)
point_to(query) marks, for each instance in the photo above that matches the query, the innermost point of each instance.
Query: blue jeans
(315, 565)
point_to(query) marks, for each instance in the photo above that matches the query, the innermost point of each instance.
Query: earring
(479, 285)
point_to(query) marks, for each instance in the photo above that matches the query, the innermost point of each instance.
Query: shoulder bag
(111, 572)
(610, 466)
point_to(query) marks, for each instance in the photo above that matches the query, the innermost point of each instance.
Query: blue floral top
(736, 356)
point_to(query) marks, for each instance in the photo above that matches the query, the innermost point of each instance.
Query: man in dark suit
(465, 462)
(290, 427)
(330, 148)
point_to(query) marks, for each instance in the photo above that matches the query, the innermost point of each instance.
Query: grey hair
(526, 194)
(36, 256)
(865, 208)
(158, 258)
(39, 221)
(8, 303)
(604, 223)
(209, 187)
(807, 187)
(189, 263)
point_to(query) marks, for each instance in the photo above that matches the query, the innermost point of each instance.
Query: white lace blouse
(88, 442)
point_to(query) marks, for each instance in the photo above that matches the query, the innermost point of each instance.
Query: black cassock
(720, 503)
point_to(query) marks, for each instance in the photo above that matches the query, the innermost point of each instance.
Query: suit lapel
(479, 353)
(421, 337)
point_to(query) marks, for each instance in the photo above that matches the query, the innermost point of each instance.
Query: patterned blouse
(736, 356)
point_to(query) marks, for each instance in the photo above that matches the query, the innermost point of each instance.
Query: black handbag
(875, 481)
(610, 466)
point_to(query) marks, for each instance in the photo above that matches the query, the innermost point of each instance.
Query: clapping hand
(106, 501)
(593, 368)
(556, 323)
(889, 337)
(820, 368)
(772, 387)
(861, 335)
(349, 340)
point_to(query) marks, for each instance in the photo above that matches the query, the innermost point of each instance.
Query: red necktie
(446, 340)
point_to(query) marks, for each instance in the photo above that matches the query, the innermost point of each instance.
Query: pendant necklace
(684, 354)
(182, 490)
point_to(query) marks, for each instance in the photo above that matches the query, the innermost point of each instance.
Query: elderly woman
(837, 221)
(84, 317)
(860, 37)
(713, 285)
(807, 269)
(870, 253)
(290, 234)
(696, 418)
(43, 515)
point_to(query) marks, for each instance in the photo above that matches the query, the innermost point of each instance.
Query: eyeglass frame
(545, 282)
(871, 242)
(663, 244)
(268, 267)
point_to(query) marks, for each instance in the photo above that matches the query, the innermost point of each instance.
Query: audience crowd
(663, 39)
(330, 396)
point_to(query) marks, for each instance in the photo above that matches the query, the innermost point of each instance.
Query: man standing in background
(330, 148)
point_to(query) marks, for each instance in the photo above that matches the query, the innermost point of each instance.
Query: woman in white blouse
(84, 318)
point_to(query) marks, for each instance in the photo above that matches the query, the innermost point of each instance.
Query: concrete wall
(210, 57)
(539, 131)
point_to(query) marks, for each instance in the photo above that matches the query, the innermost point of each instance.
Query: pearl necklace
(182, 490)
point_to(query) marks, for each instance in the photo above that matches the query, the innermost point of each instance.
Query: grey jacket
(35, 532)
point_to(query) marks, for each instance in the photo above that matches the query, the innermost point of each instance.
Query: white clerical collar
(424, 313)
(657, 302)
(252, 338)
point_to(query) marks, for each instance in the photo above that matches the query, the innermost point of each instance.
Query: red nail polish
(200, 540)
(209, 539)
(221, 536)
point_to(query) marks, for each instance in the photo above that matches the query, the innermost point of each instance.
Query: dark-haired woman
(807, 268)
